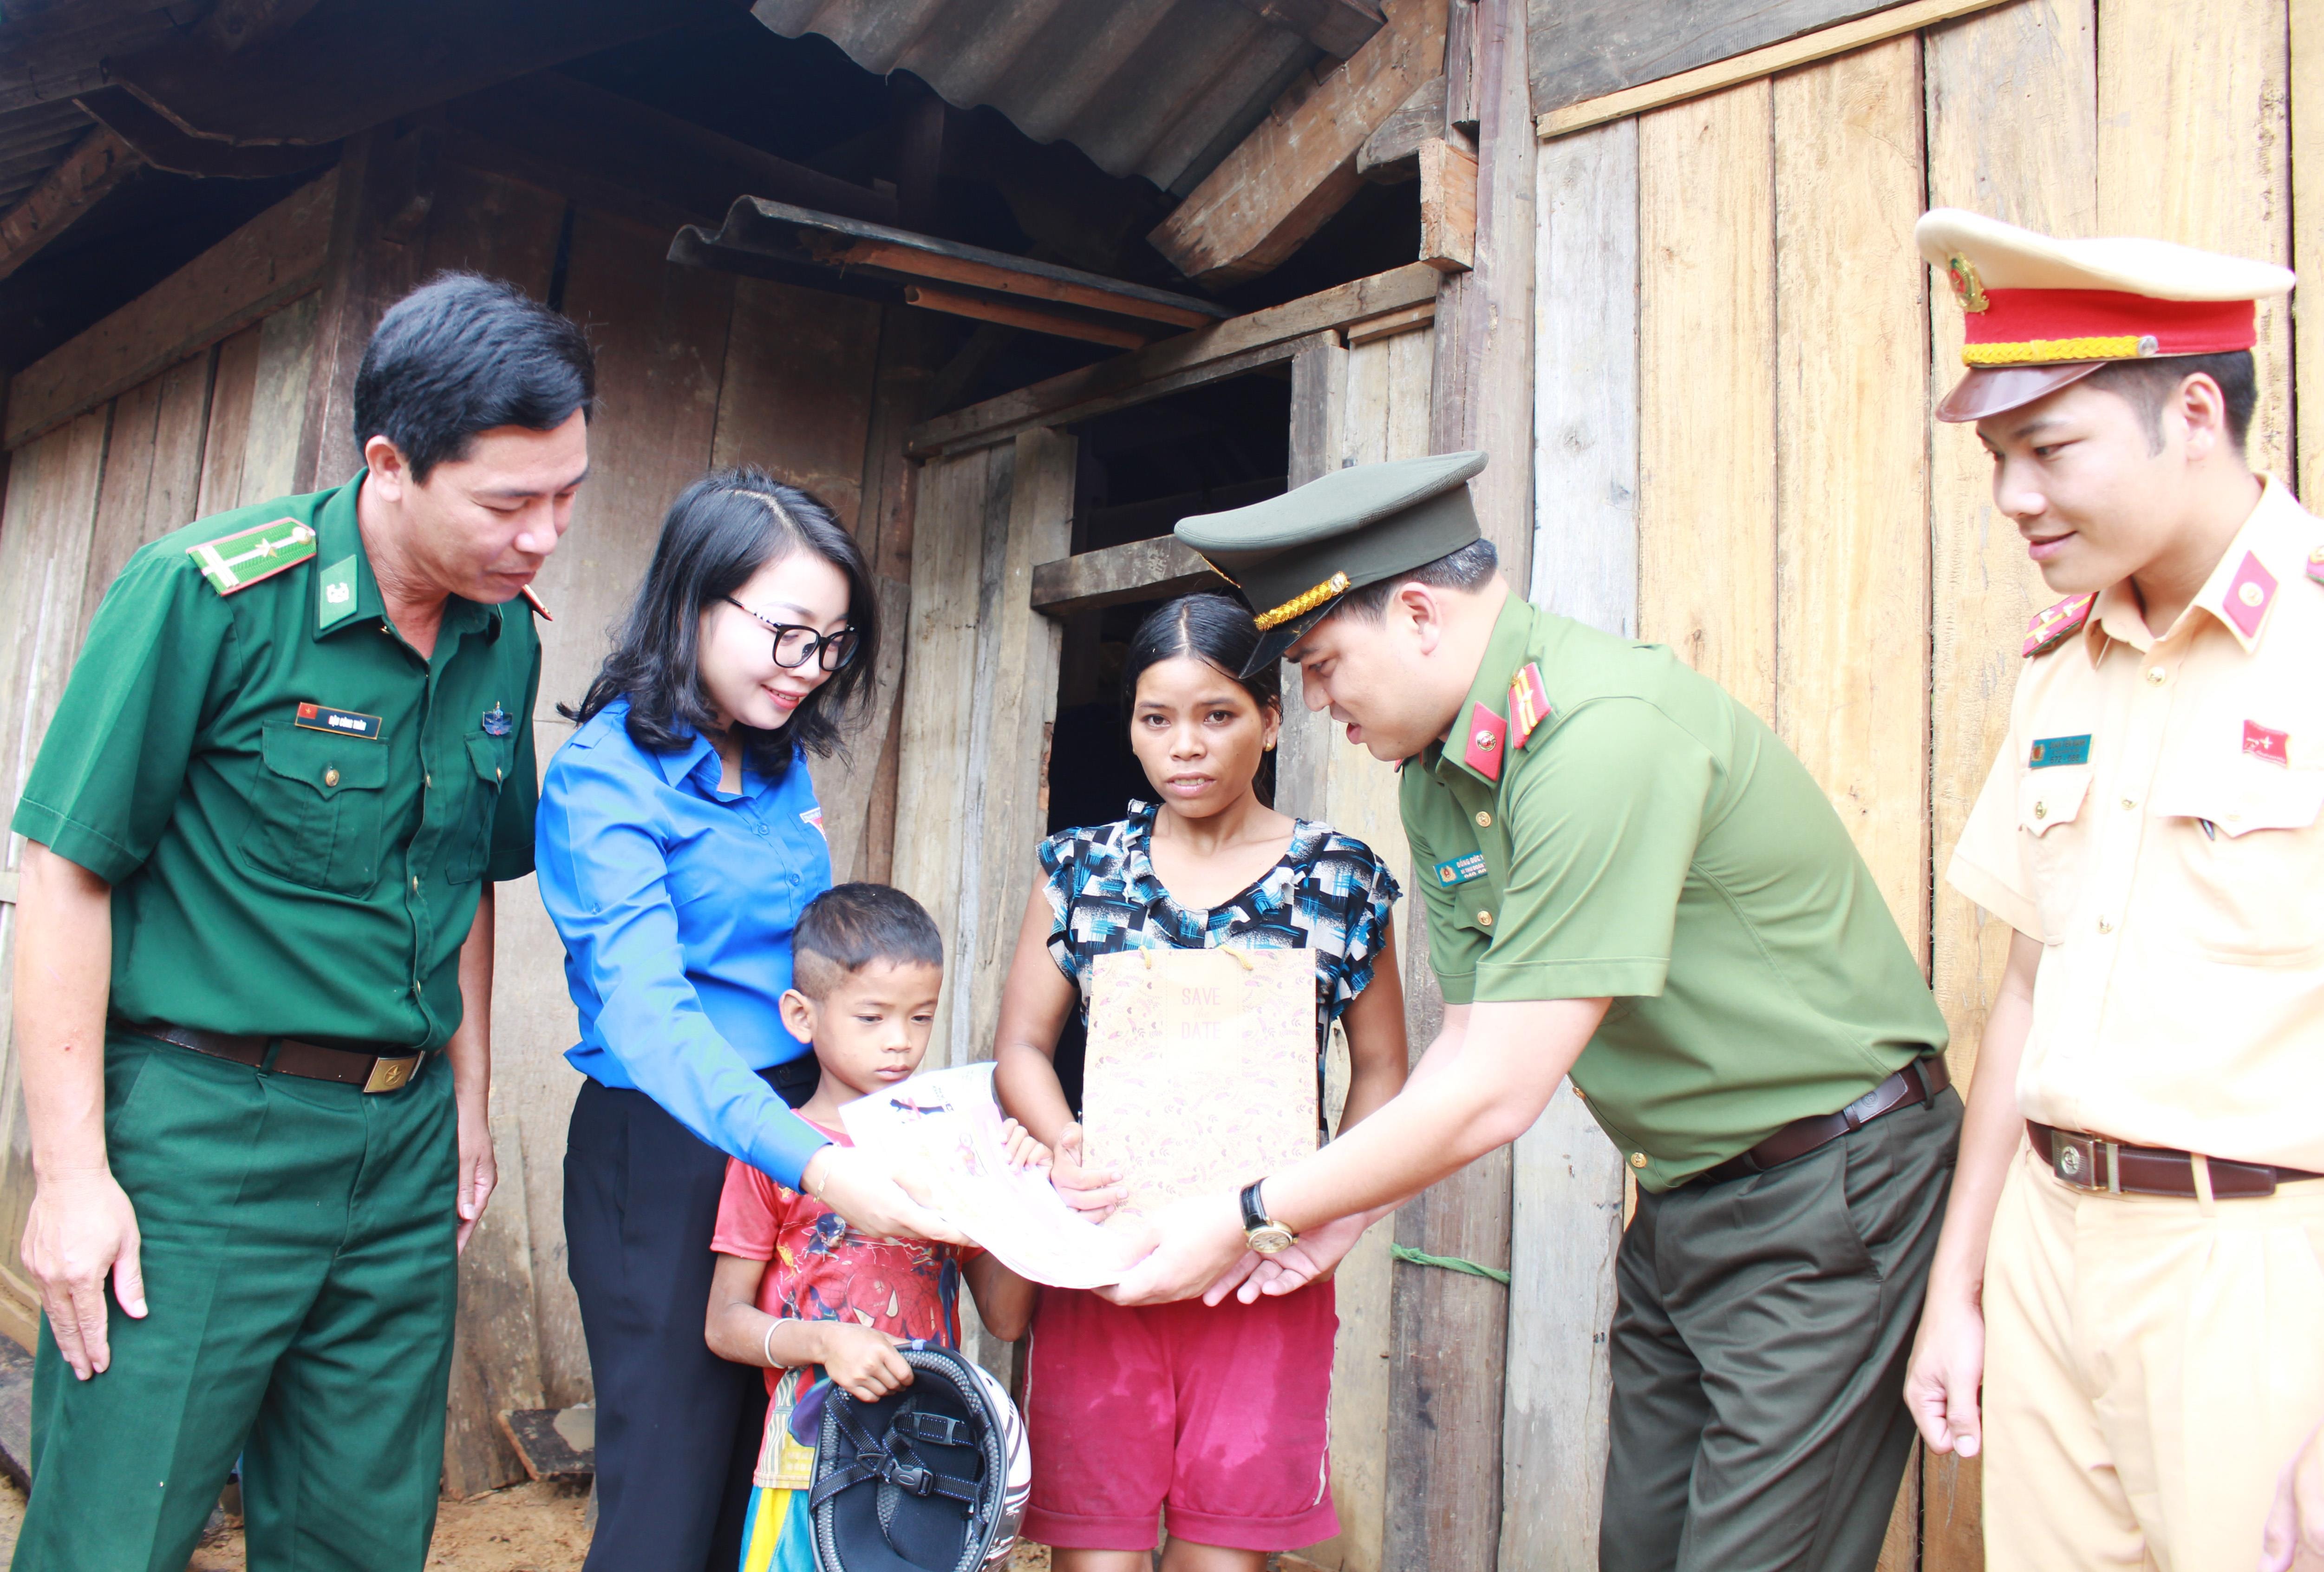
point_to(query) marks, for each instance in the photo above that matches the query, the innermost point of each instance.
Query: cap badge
(2248, 595)
(1968, 289)
(1483, 752)
(1302, 603)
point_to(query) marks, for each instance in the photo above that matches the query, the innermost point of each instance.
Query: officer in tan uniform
(2132, 1256)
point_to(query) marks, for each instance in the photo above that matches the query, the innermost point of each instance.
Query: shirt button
(2105, 927)
(1484, 819)
(2156, 675)
(428, 781)
(330, 777)
(415, 882)
(1637, 1160)
(2127, 803)
(1484, 920)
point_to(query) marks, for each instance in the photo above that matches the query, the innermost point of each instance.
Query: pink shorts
(1223, 1415)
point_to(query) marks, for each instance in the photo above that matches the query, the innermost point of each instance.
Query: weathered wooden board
(796, 399)
(1876, 25)
(1133, 570)
(2307, 44)
(77, 183)
(278, 402)
(1234, 346)
(2012, 127)
(1565, 1220)
(153, 470)
(233, 383)
(1585, 554)
(2194, 145)
(1851, 533)
(495, 1337)
(1581, 49)
(660, 334)
(1448, 207)
(274, 258)
(1706, 349)
(1298, 167)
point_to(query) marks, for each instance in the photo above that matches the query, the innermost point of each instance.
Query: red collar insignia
(1481, 739)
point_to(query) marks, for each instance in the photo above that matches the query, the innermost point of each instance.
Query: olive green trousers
(1758, 1350)
(300, 1279)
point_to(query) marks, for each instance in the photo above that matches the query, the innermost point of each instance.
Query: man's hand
(82, 1229)
(1947, 1368)
(1200, 1240)
(1312, 1258)
(858, 1186)
(479, 1171)
(1093, 1191)
(2294, 1538)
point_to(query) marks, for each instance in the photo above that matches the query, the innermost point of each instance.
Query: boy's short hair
(850, 926)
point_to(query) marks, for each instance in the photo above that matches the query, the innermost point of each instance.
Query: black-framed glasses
(795, 646)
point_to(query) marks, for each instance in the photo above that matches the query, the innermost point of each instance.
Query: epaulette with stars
(2053, 625)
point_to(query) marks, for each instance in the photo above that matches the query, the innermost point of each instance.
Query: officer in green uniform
(254, 957)
(1627, 878)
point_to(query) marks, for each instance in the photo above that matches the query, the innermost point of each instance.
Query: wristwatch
(1262, 1232)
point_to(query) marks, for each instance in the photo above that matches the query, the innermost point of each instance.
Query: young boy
(868, 964)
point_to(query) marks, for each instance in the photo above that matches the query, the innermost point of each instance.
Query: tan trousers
(2150, 1365)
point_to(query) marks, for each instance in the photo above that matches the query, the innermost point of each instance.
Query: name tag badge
(1460, 870)
(2048, 752)
(339, 723)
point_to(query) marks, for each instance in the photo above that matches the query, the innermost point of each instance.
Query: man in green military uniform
(1628, 878)
(254, 956)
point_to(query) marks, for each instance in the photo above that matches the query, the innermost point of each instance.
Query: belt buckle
(2074, 1158)
(387, 1075)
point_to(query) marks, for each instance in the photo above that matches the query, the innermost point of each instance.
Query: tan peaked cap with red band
(2041, 313)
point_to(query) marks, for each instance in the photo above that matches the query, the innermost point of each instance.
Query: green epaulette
(241, 559)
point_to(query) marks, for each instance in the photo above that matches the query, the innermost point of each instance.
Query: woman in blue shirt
(678, 840)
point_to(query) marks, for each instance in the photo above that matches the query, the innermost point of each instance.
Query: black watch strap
(1254, 1216)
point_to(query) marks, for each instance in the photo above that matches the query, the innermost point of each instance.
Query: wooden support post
(1448, 207)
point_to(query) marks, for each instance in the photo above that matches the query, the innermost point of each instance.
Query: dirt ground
(526, 1528)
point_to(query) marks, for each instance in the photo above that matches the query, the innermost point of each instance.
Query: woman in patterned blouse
(1221, 1413)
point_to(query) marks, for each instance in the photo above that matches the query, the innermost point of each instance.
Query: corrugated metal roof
(32, 141)
(1163, 88)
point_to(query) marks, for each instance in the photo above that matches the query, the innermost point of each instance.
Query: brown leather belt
(1918, 1082)
(2093, 1163)
(374, 1072)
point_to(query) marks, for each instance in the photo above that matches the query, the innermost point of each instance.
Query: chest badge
(2264, 742)
(1481, 739)
(2047, 753)
(339, 723)
(1528, 705)
(814, 816)
(497, 721)
(1460, 870)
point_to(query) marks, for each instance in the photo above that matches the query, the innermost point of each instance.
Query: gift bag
(1201, 1069)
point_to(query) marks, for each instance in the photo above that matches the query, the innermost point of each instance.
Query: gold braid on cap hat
(1301, 603)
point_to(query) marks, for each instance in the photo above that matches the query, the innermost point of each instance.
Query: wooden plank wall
(1802, 532)
(695, 369)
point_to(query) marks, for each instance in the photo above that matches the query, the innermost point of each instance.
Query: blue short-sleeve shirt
(677, 902)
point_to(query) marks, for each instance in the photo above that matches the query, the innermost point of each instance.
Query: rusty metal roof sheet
(1163, 88)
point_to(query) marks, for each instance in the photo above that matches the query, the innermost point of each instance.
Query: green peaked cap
(1294, 555)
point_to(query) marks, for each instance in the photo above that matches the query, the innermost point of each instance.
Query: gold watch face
(1269, 1238)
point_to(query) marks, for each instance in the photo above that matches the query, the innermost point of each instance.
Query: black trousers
(677, 1427)
(1760, 1334)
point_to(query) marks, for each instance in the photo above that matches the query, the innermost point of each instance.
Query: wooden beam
(952, 266)
(274, 258)
(235, 25)
(1337, 27)
(1138, 571)
(1760, 63)
(1392, 153)
(1448, 207)
(165, 147)
(983, 309)
(1586, 49)
(1229, 348)
(101, 162)
(1298, 168)
(1394, 323)
(349, 66)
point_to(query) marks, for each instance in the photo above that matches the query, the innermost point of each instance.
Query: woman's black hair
(721, 530)
(1213, 628)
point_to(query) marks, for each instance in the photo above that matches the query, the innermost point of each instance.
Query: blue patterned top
(1328, 893)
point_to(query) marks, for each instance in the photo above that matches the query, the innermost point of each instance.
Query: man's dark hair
(721, 530)
(850, 927)
(464, 353)
(1471, 568)
(2146, 385)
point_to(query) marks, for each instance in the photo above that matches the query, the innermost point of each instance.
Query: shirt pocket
(317, 809)
(2250, 886)
(2048, 810)
(470, 837)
